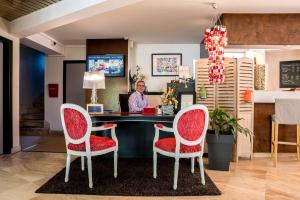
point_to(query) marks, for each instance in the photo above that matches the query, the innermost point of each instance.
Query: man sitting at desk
(137, 100)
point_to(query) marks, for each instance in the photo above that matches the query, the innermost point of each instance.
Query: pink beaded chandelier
(215, 39)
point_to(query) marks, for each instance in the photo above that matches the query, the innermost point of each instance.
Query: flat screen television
(111, 64)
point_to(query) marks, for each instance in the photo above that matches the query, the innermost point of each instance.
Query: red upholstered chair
(77, 126)
(189, 127)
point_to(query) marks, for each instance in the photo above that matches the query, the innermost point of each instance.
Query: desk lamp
(94, 80)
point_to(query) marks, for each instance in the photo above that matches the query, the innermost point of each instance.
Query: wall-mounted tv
(289, 75)
(111, 64)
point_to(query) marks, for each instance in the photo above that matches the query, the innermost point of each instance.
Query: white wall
(143, 58)
(75, 52)
(259, 55)
(272, 59)
(15, 85)
(54, 74)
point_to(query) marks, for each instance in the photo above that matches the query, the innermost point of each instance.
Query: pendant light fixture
(215, 39)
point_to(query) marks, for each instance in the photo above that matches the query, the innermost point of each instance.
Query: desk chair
(189, 127)
(287, 111)
(123, 100)
(77, 126)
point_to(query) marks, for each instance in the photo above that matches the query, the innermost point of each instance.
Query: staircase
(32, 122)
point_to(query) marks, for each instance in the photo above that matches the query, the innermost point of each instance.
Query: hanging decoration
(215, 39)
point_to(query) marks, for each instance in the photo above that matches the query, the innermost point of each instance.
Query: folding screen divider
(230, 96)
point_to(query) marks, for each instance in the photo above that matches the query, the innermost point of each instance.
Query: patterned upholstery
(169, 144)
(75, 122)
(97, 143)
(159, 125)
(190, 124)
(108, 125)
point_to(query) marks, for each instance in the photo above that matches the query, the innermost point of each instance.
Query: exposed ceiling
(13, 9)
(163, 21)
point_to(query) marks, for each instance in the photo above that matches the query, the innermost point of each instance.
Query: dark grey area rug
(134, 179)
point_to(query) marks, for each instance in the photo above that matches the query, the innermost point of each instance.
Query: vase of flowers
(169, 101)
(134, 77)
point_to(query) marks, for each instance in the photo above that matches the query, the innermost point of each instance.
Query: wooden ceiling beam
(262, 29)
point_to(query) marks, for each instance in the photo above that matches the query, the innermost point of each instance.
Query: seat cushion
(169, 144)
(97, 143)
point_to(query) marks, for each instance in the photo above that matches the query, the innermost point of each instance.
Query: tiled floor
(22, 173)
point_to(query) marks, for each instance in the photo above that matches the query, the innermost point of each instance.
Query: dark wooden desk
(135, 132)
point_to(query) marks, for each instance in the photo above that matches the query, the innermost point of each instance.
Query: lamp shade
(95, 79)
(184, 72)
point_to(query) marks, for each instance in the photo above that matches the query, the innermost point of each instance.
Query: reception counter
(135, 132)
(264, 107)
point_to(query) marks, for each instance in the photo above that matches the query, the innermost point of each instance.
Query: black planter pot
(219, 151)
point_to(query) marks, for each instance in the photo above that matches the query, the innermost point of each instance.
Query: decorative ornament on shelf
(215, 39)
(169, 101)
(260, 76)
(133, 78)
(247, 95)
(184, 74)
(202, 92)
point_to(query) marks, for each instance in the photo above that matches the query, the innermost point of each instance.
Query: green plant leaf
(223, 123)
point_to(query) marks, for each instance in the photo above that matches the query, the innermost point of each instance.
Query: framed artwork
(166, 64)
(186, 99)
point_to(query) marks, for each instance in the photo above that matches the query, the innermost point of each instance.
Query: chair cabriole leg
(272, 139)
(89, 163)
(115, 163)
(298, 142)
(82, 163)
(275, 145)
(192, 164)
(176, 168)
(201, 170)
(154, 164)
(68, 163)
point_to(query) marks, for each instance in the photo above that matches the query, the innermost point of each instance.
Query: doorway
(6, 50)
(31, 97)
(73, 82)
(1, 100)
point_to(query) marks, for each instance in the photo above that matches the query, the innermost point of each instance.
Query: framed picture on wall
(166, 64)
(186, 99)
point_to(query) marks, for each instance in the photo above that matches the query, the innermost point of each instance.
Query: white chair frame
(180, 140)
(88, 153)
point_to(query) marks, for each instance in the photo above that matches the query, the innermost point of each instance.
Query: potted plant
(221, 137)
